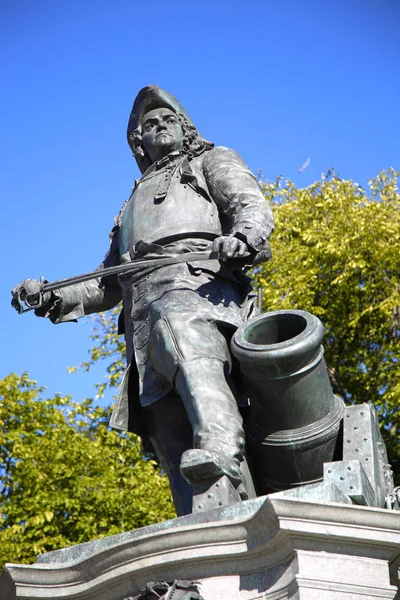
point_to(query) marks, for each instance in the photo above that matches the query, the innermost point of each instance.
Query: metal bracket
(213, 493)
(363, 442)
(350, 478)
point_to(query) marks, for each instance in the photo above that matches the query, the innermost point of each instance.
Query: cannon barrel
(295, 419)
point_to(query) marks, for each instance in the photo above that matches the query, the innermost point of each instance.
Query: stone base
(272, 548)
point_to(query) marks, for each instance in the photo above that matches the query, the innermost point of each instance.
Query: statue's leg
(191, 351)
(211, 405)
(171, 434)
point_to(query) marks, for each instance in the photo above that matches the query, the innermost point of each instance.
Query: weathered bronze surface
(295, 417)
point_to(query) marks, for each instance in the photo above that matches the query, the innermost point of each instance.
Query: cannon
(295, 420)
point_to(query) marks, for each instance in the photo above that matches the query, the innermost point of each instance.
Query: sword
(38, 288)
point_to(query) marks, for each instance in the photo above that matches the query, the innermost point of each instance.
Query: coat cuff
(256, 240)
(62, 307)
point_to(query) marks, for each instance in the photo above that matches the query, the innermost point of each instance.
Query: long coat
(180, 205)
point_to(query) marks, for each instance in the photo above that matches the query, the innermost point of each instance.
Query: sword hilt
(30, 292)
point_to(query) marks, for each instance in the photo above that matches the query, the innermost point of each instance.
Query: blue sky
(279, 81)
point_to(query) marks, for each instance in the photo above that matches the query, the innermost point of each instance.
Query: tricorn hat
(149, 98)
(152, 97)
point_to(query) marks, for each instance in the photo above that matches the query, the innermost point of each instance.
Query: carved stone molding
(272, 547)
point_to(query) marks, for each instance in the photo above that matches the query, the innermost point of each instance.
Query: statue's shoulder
(220, 155)
(212, 155)
(220, 150)
(118, 218)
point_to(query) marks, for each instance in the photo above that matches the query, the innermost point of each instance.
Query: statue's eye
(171, 120)
(148, 126)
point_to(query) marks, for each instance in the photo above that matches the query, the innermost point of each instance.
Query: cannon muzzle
(295, 419)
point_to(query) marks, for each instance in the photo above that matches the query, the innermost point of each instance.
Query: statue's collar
(168, 161)
(160, 164)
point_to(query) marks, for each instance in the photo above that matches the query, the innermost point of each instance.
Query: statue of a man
(181, 388)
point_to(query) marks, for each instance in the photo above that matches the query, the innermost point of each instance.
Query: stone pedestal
(273, 547)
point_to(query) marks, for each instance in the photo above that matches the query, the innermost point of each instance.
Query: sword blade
(129, 267)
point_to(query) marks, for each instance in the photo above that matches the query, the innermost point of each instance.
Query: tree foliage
(107, 345)
(336, 254)
(66, 477)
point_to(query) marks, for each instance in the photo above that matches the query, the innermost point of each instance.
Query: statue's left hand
(228, 246)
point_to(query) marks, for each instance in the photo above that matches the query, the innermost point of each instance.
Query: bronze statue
(180, 248)
(182, 388)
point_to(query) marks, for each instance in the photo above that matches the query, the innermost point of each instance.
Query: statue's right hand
(29, 291)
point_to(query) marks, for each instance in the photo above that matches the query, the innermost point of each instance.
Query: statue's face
(161, 133)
